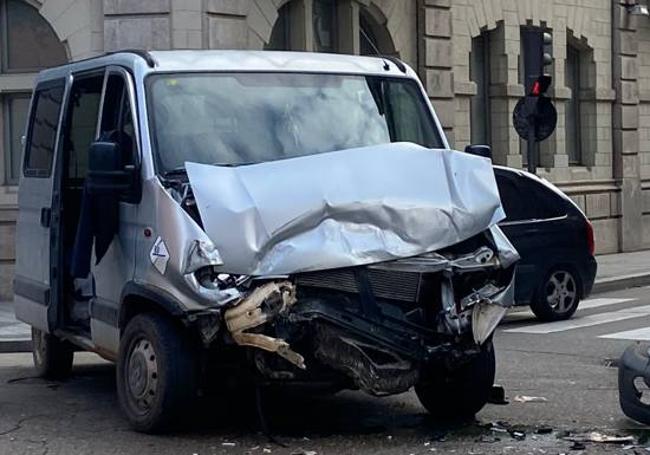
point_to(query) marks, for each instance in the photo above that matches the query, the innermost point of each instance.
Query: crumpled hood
(344, 208)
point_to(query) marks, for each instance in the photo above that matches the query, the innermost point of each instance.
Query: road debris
(518, 435)
(528, 399)
(578, 446)
(498, 395)
(597, 437)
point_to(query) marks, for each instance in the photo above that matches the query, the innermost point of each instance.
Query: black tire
(157, 373)
(457, 395)
(52, 357)
(558, 295)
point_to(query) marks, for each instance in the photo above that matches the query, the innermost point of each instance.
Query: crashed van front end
(389, 261)
(375, 326)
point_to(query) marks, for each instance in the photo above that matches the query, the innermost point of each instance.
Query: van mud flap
(264, 304)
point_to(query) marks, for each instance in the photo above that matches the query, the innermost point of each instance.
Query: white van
(298, 215)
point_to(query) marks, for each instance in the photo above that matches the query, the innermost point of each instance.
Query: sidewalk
(615, 272)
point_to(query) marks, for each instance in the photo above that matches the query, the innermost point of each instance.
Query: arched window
(27, 45)
(28, 41)
(334, 26)
(374, 37)
(281, 34)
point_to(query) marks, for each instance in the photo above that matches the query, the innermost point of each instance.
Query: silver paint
(345, 208)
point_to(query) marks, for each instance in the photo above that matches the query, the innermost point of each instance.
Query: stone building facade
(467, 52)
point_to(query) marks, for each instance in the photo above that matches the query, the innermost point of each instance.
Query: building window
(572, 106)
(331, 22)
(15, 106)
(374, 37)
(28, 41)
(280, 35)
(479, 73)
(324, 25)
(27, 45)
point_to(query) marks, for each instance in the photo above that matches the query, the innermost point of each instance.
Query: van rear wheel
(458, 394)
(53, 357)
(157, 373)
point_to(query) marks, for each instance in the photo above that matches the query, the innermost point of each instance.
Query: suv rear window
(524, 199)
(41, 139)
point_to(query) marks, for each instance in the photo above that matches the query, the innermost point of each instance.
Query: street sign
(536, 113)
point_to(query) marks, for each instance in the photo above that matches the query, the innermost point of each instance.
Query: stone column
(435, 62)
(625, 126)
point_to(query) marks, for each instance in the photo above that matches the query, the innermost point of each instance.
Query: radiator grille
(386, 284)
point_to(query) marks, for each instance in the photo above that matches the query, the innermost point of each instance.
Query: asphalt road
(568, 364)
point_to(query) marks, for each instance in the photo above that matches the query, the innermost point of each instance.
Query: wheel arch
(139, 298)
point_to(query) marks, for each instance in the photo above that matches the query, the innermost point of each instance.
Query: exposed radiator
(385, 284)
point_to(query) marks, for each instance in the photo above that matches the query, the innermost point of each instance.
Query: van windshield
(231, 119)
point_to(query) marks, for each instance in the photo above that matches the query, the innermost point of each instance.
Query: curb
(618, 283)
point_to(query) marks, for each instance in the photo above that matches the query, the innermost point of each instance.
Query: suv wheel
(458, 394)
(156, 373)
(558, 297)
(52, 356)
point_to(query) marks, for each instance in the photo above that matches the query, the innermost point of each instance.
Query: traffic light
(535, 117)
(538, 55)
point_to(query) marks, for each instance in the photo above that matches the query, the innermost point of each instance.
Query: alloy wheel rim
(561, 291)
(142, 375)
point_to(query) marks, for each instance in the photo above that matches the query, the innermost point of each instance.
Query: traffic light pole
(531, 150)
(531, 139)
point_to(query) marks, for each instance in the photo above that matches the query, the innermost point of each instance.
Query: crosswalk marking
(595, 303)
(586, 321)
(642, 334)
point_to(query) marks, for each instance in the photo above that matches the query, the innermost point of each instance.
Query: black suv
(555, 241)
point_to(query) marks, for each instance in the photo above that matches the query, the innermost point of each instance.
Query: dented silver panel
(345, 208)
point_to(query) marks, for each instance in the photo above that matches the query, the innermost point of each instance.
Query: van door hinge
(46, 215)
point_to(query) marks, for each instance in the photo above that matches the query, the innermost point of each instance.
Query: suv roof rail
(397, 62)
(144, 54)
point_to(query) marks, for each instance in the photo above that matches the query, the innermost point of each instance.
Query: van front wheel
(460, 393)
(156, 373)
(52, 356)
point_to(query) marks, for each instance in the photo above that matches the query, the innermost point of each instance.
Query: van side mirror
(106, 172)
(479, 150)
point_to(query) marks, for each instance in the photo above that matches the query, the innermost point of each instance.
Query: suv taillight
(591, 242)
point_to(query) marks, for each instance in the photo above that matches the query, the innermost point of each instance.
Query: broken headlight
(207, 277)
(201, 276)
(201, 254)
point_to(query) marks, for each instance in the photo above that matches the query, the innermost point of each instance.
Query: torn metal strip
(262, 306)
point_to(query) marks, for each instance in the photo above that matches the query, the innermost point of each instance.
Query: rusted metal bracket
(261, 306)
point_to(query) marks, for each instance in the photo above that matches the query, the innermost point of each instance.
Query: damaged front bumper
(359, 323)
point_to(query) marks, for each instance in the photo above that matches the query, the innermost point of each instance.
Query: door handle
(46, 216)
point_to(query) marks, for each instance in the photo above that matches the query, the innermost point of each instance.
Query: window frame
(46, 85)
(9, 153)
(577, 157)
(132, 101)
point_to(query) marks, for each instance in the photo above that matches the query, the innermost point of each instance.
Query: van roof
(143, 62)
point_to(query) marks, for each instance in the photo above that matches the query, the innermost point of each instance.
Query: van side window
(83, 112)
(41, 141)
(117, 118)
